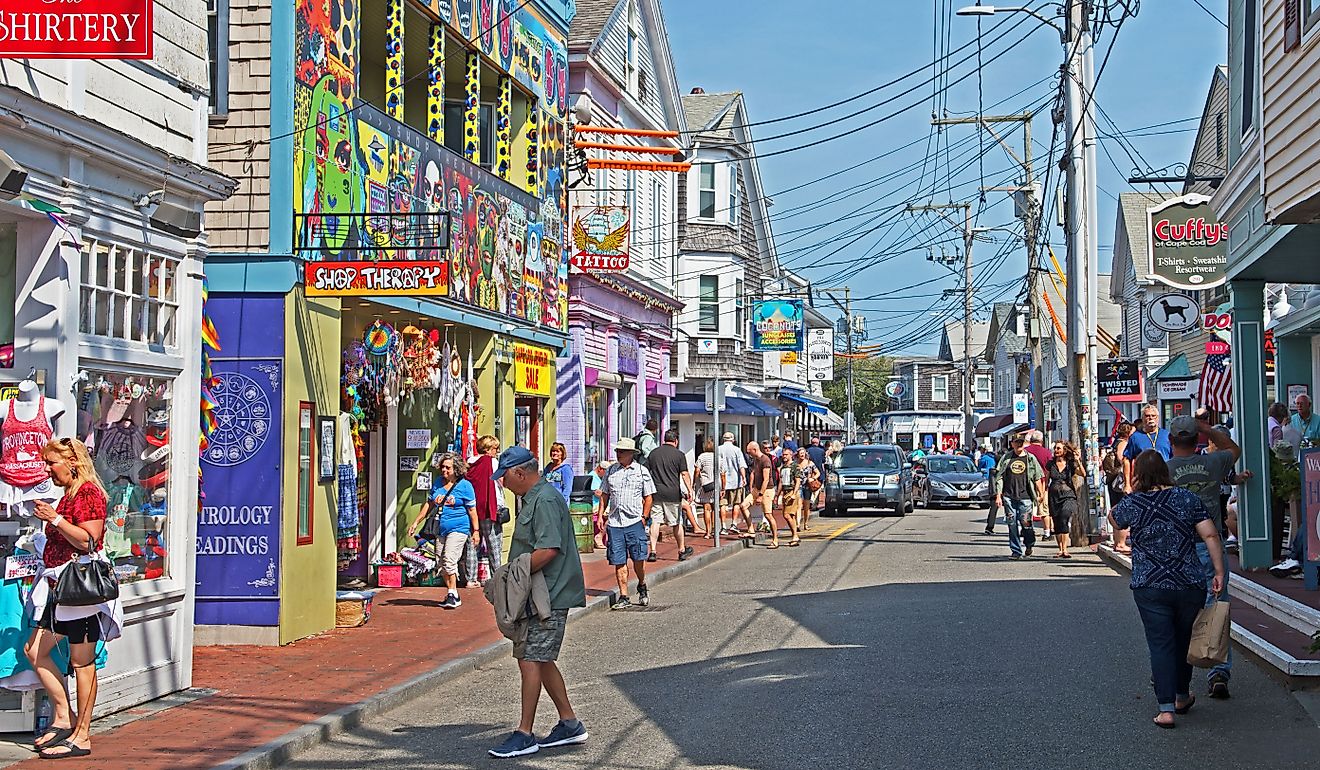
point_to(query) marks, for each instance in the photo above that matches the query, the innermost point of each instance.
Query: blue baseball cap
(512, 458)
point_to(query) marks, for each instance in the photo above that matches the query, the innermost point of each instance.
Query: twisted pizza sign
(1188, 245)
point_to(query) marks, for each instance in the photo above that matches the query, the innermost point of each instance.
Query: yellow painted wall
(311, 371)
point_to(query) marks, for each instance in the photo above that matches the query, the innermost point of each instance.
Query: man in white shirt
(733, 466)
(626, 495)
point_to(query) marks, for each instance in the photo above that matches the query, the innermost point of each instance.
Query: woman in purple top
(1168, 581)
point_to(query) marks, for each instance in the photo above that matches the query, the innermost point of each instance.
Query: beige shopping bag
(1210, 638)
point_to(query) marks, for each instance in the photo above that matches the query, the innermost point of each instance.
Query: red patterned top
(87, 504)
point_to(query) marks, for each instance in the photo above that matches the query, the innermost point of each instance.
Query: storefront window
(306, 417)
(128, 294)
(8, 293)
(595, 437)
(125, 421)
(627, 421)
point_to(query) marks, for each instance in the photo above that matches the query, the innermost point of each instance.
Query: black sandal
(1183, 709)
(57, 735)
(74, 750)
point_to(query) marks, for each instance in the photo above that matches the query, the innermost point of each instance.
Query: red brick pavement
(266, 692)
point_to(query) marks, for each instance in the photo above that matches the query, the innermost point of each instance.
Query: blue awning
(746, 407)
(813, 404)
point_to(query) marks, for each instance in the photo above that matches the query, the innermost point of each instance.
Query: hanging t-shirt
(125, 502)
(119, 451)
(454, 515)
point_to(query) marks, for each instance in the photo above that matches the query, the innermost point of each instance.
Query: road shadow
(928, 675)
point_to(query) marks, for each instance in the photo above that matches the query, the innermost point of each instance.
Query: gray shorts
(544, 638)
(666, 514)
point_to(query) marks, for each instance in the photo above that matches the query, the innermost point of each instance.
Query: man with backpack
(646, 441)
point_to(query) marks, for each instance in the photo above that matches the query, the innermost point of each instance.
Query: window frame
(1310, 12)
(739, 308)
(1250, 57)
(129, 270)
(943, 384)
(217, 38)
(732, 198)
(702, 191)
(712, 302)
(989, 381)
(307, 427)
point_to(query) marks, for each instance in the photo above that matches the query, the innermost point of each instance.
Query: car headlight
(941, 486)
(831, 478)
(983, 486)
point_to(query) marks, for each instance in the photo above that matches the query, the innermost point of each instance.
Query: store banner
(820, 355)
(238, 527)
(73, 29)
(376, 279)
(600, 239)
(533, 370)
(1188, 245)
(1309, 463)
(777, 325)
(1119, 380)
(629, 355)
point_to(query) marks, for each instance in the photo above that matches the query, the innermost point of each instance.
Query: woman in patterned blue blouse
(1168, 581)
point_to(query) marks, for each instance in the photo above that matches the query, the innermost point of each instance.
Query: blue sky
(786, 60)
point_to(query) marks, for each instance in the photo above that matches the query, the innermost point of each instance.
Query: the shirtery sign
(76, 29)
(1188, 246)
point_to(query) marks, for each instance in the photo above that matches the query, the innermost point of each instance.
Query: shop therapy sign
(1187, 245)
(76, 29)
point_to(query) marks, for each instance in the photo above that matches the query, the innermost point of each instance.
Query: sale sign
(76, 29)
(533, 370)
(376, 279)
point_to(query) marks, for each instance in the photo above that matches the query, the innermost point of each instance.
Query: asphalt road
(898, 643)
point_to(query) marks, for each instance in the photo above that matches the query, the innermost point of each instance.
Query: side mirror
(907, 466)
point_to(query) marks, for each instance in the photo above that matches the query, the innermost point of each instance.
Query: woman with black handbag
(72, 599)
(449, 519)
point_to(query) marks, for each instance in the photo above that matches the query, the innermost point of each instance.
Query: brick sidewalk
(264, 693)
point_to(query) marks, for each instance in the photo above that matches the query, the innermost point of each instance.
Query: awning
(1009, 429)
(833, 420)
(746, 407)
(990, 424)
(1177, 368)
(813, 404)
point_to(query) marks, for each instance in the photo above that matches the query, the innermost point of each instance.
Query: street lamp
(991, 10)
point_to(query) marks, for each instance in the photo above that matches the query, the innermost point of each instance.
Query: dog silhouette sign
(1173, 312)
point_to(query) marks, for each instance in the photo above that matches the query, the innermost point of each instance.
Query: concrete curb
(1295, 671)
(289, 745)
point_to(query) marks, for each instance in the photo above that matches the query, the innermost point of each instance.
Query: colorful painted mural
(354, 164)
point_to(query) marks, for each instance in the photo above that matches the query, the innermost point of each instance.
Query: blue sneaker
(518, 744)
(564, 735)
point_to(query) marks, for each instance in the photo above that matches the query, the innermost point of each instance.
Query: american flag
(1217, 383)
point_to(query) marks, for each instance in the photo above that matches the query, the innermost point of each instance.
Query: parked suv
(868, 476)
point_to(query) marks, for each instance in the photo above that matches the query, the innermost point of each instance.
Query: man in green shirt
(543, 529)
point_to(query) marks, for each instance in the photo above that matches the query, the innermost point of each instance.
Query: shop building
(615, 375)
(391, 284)
(729, 264)
(101, 263)
(1270, 201)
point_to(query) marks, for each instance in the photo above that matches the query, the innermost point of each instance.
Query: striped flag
(1216, 390)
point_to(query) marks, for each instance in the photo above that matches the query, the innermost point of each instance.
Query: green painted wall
(417, 410)
(311, 370)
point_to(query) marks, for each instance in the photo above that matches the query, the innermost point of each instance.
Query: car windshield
(870, 459)
(950, 465)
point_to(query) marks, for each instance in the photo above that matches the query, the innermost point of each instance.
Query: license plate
(964, 495)
(859, 495)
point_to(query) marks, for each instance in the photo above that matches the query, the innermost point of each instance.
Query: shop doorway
(527, 424)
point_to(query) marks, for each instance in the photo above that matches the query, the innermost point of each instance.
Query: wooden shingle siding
(242, 223)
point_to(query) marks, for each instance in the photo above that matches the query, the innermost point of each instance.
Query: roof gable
(600, 30)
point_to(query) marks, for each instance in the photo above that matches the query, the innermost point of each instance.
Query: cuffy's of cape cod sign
(76, 29)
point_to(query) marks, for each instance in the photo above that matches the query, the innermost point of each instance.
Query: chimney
(698, 90)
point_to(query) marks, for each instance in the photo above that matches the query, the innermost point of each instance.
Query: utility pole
(969, 235)
(1026, 198)
(1082, 225)
(849, 421)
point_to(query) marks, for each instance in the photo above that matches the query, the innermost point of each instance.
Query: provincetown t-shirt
(1203, 475)
(1017, 484)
